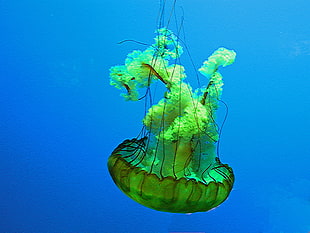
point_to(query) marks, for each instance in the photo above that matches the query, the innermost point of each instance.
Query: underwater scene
(166, 116)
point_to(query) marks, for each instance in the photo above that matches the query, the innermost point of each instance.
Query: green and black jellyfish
(173, 166)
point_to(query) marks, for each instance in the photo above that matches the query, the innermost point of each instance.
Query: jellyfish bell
(174, 194)
(173, 166)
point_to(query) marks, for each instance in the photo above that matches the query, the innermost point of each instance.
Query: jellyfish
(173, 166)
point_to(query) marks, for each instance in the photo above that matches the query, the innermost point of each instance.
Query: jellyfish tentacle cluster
(174, 167)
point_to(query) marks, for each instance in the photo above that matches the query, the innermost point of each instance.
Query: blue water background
(60, 119)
